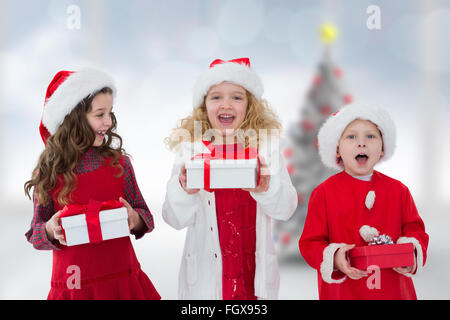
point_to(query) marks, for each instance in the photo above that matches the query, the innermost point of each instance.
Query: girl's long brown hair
(65, 148)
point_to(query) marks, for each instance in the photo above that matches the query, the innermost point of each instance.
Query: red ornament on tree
(290, 169)
(307, 125)
(288, 152)
(286, 238)
(299, 198)
(325, 110)
(348, 98)
(317, 80)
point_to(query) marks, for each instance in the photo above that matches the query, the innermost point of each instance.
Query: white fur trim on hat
(331, 131)
(75, 88)
(233, 72)
(327, 265)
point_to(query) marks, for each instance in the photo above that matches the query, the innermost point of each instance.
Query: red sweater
(336, 212)
(236, 221)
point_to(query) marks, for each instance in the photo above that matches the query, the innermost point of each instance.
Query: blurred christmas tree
(326, 95)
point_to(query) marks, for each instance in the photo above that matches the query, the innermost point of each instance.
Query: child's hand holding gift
(182, 179)
(54, 230)
(342, 264)
(404, 270)
(264, 178)
(135, 222)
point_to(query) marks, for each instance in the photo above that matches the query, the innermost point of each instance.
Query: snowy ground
(25, 272)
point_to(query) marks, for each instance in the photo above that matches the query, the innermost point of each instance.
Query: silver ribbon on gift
(381, 239)
(372, 236)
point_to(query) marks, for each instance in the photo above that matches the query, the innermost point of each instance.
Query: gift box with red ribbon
(94, 222)
(222, 169)
(382, 256)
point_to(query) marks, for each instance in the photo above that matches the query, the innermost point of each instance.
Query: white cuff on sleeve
(326, 267)
(419, 253)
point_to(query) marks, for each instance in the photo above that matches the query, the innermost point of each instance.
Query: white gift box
(224, 173)
(113, 223)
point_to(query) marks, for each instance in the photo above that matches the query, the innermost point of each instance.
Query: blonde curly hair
(258, 116)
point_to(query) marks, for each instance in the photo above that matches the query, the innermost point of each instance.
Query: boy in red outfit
(354, 140)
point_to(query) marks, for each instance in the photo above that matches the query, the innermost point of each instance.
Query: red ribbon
(92, 212)
(215, 154)
(244, 61)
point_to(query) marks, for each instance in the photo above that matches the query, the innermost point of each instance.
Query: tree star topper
(328, 33)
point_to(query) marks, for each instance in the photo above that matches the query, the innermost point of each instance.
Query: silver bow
(381, 239)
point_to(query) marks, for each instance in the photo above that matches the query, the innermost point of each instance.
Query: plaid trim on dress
(37, 235)
(91, 161)
(134, 197)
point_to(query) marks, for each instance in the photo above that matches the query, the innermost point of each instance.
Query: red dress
(236, 222)
(107, 270)
(336, 212)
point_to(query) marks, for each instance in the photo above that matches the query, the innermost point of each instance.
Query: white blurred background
(156, 49)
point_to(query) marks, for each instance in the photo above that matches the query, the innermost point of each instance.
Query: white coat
(200, 274)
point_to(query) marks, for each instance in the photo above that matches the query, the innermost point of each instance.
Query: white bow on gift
(372, 237)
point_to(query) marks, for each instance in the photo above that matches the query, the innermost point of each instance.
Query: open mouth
(226, 119)
(101, 133)
(362, 158)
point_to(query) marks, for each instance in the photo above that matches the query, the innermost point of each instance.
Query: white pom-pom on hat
(368, 233)
(332, 129)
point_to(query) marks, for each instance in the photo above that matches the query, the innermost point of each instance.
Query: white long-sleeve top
(200, 275)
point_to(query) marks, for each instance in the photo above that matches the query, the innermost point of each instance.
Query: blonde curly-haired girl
(229, 252)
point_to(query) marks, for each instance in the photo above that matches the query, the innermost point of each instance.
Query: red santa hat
(64, 93)
(236, 71)
(331, 131)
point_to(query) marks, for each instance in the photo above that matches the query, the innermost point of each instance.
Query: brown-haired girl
(229, 251)
(83, 160)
